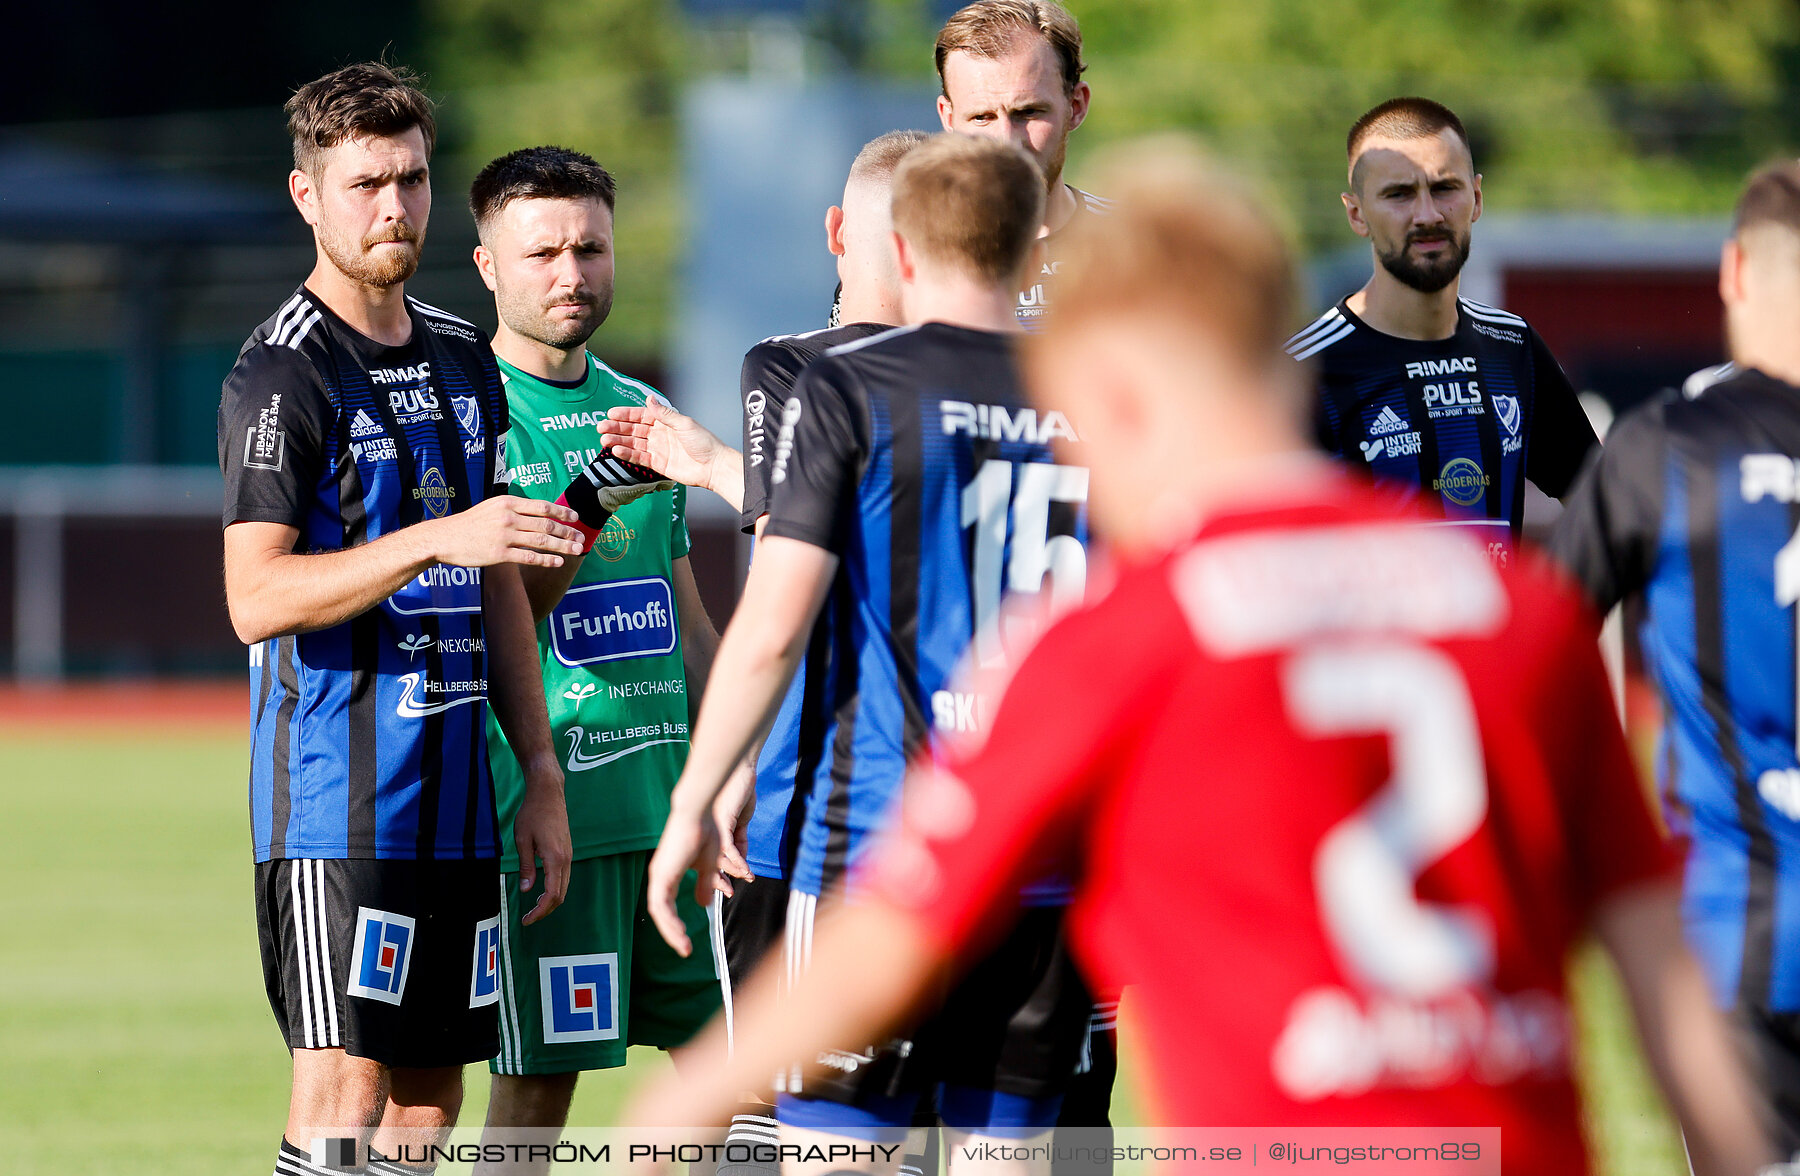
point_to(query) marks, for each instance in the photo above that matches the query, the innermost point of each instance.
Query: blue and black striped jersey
(1694, 508)
(913, 457)
(765, 382)
(368, 739)
(1464, 420)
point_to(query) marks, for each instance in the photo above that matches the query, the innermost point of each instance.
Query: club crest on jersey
(383, 956)
(1461, 481)
(580, 997)
(484, 980)
(997, 422)
(468, 413)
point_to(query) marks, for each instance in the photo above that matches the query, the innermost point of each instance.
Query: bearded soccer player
(906, 466)
(1443, 800)
(1011, 70)
(1691, 509)
(1418, 385)
(371, 564)
(623, 644)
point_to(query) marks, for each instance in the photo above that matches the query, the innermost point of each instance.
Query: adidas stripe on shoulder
(1490, 314)
(1325, 330)
(430, 311)
(859, 344)
(293, 322)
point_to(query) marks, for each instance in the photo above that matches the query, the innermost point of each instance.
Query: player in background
(1277, 623)
(906, 464)
(1011, 70)
(371, 558)
(759, 824)
(1691, 507)
(623, 644)
(1416, 384)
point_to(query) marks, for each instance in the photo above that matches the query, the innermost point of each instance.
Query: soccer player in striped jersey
(759, 815)
(906, 465)
(1692, 507)
(1416, 384)
(1340, 795)
(371, 564)
(1011, 70)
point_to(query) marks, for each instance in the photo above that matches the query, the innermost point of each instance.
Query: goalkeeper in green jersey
(624, 644)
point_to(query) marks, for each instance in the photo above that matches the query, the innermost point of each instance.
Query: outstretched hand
(671, 443)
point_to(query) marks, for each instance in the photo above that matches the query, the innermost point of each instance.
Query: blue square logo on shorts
(383, 955)
(581, 997)
(484, 982)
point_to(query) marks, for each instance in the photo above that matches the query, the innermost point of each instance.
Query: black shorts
(1014, 1023)
(395, 961)
(1769, 1044)
(752, 920)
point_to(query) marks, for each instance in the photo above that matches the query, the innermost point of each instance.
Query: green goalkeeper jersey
(610, 651)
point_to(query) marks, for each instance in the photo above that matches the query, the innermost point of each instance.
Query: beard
(1427, 277)
(359, 261)
(531, 317)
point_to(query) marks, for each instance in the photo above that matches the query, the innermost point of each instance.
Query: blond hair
(988, 28)
(975, 204)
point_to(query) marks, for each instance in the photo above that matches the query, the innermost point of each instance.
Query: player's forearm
(277, 593)
(516, 687)
(757, 663)
(870, 967)
(545, 587)
(726, 477)
(1685, 1038)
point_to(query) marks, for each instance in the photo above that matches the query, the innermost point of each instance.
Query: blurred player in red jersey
(1340, 794)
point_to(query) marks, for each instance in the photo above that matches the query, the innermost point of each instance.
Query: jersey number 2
(1366, 869)
(1020, 494)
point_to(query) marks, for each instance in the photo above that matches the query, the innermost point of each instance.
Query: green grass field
(136, 1034)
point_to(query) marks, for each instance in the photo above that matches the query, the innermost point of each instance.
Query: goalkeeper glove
(602, 487)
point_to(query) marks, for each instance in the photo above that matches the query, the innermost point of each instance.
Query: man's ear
(945, 113)
(1731, 274)
(1478, 205)
(484, 265)
(1079, 98)
(904, 260)
(305, 195)
(834, 230)
(1353, 211)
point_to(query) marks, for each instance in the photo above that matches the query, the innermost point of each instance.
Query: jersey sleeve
(1613, 838)
(818, 459)
(978, 824)
(764, 384)
(1606, 537)
(274, 418)
(499, 467)
(1561, 437)
(680, 542)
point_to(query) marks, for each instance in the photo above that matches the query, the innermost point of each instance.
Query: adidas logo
(1388, 421)
(362, 424)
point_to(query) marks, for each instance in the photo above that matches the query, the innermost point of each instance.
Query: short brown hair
(538, 173)
(987, 28)
(1403, 118)
(974, 203)
(1771, 197)
(1181, 238)
(882, 154)
(369, 98)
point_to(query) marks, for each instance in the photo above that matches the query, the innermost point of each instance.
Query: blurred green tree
(1636, 106)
